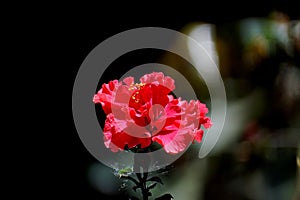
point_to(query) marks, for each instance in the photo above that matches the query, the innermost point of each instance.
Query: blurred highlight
(257, 156)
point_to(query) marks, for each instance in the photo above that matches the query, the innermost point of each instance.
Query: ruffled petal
(159, 78)
(116, 138)
(139, 113)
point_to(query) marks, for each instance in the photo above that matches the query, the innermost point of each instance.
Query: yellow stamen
(137, 86)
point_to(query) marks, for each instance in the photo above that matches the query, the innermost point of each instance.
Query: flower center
(136, 97)
(136, 87)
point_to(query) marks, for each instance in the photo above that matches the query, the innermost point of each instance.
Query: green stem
(142, 180)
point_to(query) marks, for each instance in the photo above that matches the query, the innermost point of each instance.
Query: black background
(61, 36)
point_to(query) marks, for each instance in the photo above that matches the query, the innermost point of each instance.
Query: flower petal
(160, 78)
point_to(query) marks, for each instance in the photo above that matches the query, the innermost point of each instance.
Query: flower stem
(142, 180)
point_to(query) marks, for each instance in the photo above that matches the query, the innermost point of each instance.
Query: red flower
(142, 113)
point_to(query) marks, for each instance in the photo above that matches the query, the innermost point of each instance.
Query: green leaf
(151, 186)
(136, 187)
(125, 170)
(155, 179)
(131, 179)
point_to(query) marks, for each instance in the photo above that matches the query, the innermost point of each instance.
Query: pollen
(136, 97)
(136, 86)
(136, 94)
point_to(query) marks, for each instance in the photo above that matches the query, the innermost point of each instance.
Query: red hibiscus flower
(145, 112)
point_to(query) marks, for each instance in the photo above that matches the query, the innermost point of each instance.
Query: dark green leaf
(155, 179)
(131, 179)
(152, 186)
(136, 187)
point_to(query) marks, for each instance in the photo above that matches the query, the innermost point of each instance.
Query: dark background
(82, 32)
(62, 36)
